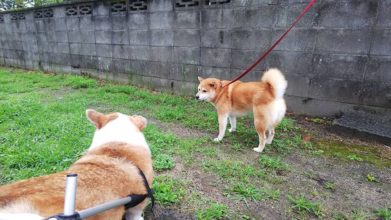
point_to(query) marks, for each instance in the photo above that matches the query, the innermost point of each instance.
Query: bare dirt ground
(341, 185)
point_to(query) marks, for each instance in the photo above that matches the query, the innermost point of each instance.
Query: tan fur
(239, 98)
(105, 173)
(99, 119)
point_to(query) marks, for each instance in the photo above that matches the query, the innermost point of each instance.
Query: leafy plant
(214, 211)
(354, 157)
(163, 162)
(303, 205)
(167, 190)
(329, 185)
(383, 213)
(371, 178)
(272, 163)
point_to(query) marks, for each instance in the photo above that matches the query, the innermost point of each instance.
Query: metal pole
(103, 207)
(70, 194)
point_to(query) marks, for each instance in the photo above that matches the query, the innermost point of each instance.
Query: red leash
(275, 44)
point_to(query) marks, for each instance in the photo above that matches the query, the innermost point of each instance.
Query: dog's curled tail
(276, 80)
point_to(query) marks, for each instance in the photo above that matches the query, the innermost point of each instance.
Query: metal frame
(70, 201)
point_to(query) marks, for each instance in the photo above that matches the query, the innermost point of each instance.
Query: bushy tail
(277, 81)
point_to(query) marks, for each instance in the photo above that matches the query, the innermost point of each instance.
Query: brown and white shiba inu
(265, 99)
(109, 170)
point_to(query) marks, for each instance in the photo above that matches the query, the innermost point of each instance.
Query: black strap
(137, 199)
(149, 190)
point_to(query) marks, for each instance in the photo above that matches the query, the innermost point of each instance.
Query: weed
(383, 213)
(163, 162)
(246, 217)
(371, 178)
(354, 157)
(329, 185)
(358, 214)
(319, 120)
(287, 124)
(301, 205)
(168, 191)
(246, 191)
(237, 171)
(214, 211)
(249, 191)
(77, 82)
(339, 216)
(272, 163)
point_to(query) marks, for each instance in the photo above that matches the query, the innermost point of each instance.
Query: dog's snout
(197, 97)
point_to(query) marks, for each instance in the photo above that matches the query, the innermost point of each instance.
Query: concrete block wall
(336, 59)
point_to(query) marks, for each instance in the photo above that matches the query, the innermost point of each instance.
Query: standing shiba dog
(109, 170)
(265, 99)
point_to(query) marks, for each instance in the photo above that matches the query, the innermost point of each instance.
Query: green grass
(354, 157)
(303, 206)
(273, 163)
(353, 152)
(163, 162)
(383, 213)
(168, 191)
(329, 185)
(255, 193)
(43, 129)
(214, 211)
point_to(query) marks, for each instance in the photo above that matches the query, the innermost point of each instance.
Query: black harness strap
(137, 199)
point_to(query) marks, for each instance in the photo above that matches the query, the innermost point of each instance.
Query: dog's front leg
(223, 119)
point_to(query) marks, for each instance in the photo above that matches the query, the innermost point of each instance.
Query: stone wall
(336, 59)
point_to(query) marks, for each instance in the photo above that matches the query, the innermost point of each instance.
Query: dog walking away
(265, 99)
(111, 169)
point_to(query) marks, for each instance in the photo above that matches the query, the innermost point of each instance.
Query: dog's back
(106, 173)
(109, 170)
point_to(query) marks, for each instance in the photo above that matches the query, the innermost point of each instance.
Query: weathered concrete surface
(365, 124)
(336, 59)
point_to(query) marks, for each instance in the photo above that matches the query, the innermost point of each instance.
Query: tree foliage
(18, 4)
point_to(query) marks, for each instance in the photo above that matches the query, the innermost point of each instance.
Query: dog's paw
(269, 141)
(257, 149)
(217, 139)
(231, 130)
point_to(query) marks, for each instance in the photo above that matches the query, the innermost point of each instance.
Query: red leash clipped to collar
(275, 44)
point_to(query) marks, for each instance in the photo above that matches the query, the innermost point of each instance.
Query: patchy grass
(43, 130)
(353, 152)
(329, 185)
(383, 213)
(214, 211)
(163, 162)
(168, 191)
(273, 163)
(304, 206)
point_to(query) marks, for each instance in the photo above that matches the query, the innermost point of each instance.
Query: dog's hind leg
(270, 135)
(232, 121)
(260, 125)
(134, 214)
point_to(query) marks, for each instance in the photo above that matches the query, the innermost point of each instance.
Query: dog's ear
(215, 84)
(200, 78)
(139, 121)
(95, 117)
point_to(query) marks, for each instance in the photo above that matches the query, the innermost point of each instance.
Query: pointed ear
(95, 117)
(139, 121)
(200, 78)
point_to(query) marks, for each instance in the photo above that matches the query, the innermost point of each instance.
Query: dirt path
(342, 187)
